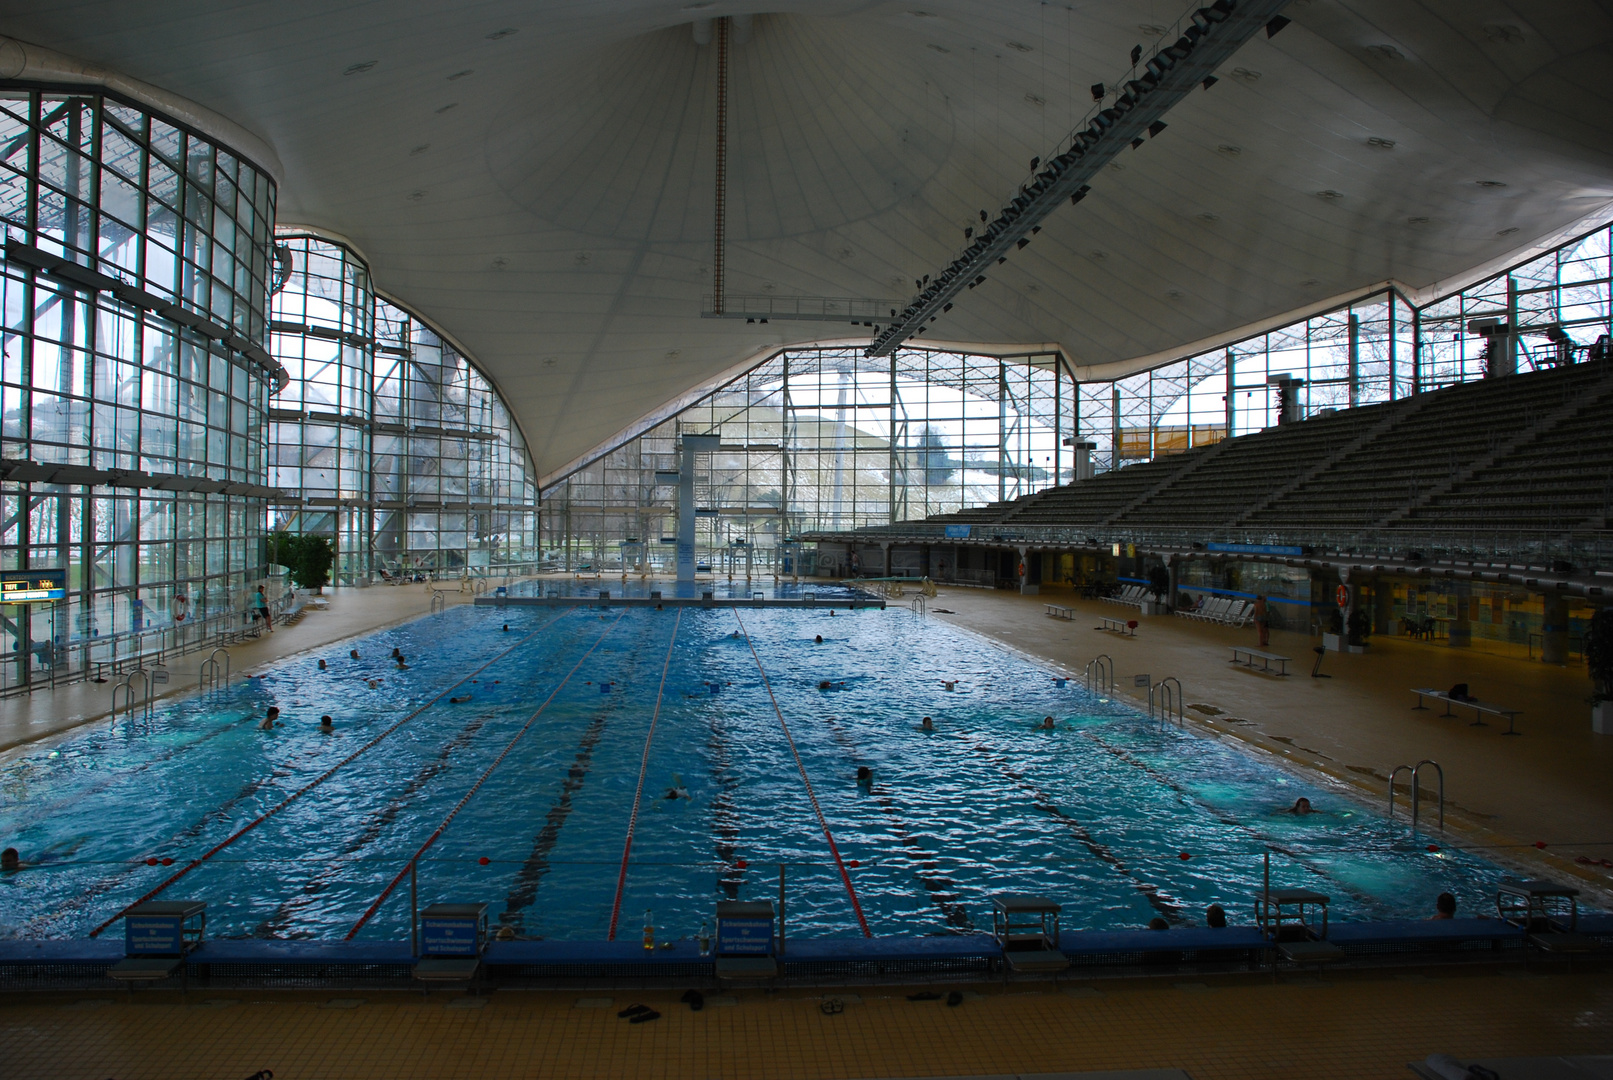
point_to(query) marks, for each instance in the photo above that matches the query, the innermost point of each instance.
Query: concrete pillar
(885, 558)
(1383, 607)
(1173, 566)
(1461, 630)
(1554, 629)
(1024, 568)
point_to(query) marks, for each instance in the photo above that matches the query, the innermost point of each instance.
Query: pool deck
(1346, 1026)
(1550, 783)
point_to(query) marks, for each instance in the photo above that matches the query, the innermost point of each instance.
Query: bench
(1058, 611)
(1266, 660)
(1123, 627)
(1481, 709)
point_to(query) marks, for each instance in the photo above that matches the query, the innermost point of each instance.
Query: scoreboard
(32, 586)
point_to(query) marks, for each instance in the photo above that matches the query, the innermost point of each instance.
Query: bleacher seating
(1526, 452)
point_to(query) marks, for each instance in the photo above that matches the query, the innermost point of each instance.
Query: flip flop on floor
(645, 1017)
(694, 999)
(632, 1010)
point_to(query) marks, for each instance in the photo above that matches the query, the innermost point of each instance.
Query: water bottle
(649, 931)
(705, 938)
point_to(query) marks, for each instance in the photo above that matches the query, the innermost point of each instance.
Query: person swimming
(818, 640)
(373, 684)
(506, 628)
(269, 718)
(1302, 806)
(677, 790)
(401, 665)
(460, 700)
(326, 724)
(352, 654)
(927, 724)
(1047, 724)
(10, 860)
(322, 666)
(735, 635)
(396, 655)
(865, 776)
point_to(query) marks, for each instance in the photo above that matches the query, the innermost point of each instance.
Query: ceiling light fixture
(1210, 36)
(497, 35)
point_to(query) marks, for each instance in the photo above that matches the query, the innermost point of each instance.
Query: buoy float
(740, 864)
(853, 864)
(1540, 844)
(1433, 847)
(1184, 856)
(168, 862)
(484, 860)
(151, 861)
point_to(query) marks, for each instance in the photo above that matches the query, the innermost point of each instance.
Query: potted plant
(1359, 628)
(1333, 635)
(1599, 659)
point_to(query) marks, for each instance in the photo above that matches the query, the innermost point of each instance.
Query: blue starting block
(745, 942)
(156, 937)
(452, 937)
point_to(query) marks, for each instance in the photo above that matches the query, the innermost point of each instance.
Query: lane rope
(321, 778)
(369, 912)
(834, 850)
(643, 768)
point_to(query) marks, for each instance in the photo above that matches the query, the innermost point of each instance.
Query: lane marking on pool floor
(536, 866)
(638, 794)
(320, 779)
(845, 875)
(375, 906)
(942, 890)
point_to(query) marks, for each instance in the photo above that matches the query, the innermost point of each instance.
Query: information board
(32, 586)
(153, 935)
(744, 936)
(449, 935)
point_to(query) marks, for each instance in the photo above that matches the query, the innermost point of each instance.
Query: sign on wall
(32, 586)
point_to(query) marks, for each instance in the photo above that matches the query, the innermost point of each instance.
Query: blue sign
(1255, 549)
(958, 532)
(153, 935)
(449, 935)
(744, 937)
(32, 586)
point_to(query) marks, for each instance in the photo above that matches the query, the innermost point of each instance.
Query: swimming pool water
(543, 763)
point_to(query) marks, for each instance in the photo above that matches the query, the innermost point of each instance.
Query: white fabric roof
(545, 196)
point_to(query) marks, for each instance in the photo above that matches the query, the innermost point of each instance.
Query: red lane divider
(369, 912)
(856, 905)
(643, 767)
(320, 779)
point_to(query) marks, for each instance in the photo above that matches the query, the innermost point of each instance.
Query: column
(1554, 629)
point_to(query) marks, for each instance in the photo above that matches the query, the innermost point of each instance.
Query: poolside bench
(1266, 660)
(1059, 611)
(1481, 709)
(1123, 627)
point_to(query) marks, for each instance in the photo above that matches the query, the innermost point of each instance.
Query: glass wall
(387, 440)
(1550, 310)
(323, 333)
(134, 378)
(825, 439)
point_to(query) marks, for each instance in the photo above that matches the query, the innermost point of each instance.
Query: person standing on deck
(1262, 621)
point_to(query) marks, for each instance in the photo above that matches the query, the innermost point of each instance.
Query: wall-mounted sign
(1255, 549)
(32, 586)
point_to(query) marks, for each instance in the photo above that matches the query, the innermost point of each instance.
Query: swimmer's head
(274, 711)
(322, 665)
(9, 859)
(825, 685)
(325, 721)
(928, 724)
(1302, 805)
(864, 774)
(352, 653)
(1047, 723)
(818, 640)
(506, 628)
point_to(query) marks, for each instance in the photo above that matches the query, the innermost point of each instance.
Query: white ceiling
(545, 196)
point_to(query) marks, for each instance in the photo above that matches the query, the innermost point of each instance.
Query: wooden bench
(1059, 611)
(1266, 660)
(1123, 627)
(1481, 709)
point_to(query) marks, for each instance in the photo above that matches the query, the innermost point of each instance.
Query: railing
(1168, 692)
(212, 676)
(1416, 791)
(917, 605)
(439, 601)
(1101, 674)
(127, 686)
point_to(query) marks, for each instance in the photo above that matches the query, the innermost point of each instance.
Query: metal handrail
(917, 605)
(439, 602)
(127, 686)
(213, 676)
(1101, 671)
(1416, 792)
(1169, 692)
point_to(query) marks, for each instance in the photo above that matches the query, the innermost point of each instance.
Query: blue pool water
(1095, 814)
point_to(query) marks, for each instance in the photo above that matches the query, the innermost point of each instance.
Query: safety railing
(214, 674)
(1165, 697)
(1101, 674)
(1416, 790)
(439, 602)
(129, 703)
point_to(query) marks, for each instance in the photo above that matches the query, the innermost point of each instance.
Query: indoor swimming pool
(585, 770)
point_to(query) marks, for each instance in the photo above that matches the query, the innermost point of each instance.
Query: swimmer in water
(677, 790)
(401, 665)
(322, 665)
(1047, 723)
(352, 654)
(460, 700)
(865, 776)
(927, 724)
(818, 640)
(735, 635)
(326, 724)
(373, 684)
(267, 723)
(10, 860)
(1302, 806)
(396, 655)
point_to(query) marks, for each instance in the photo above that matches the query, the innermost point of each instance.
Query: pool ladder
(1416, 791)
(439, 601)
(917, 605)
(129, 702)
(213, 675)
(1166, 695)
(1101, 674)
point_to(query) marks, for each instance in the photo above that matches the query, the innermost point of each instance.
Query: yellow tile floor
(1347, 1025)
